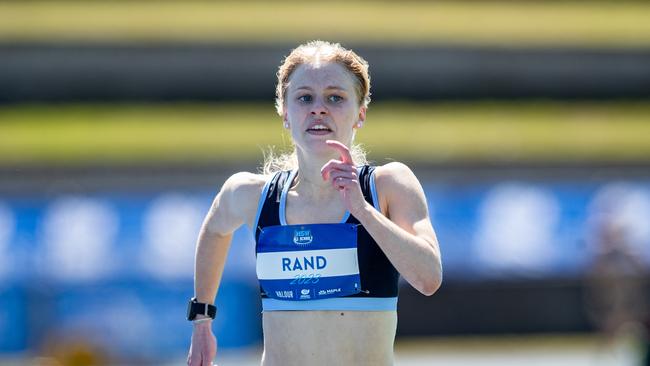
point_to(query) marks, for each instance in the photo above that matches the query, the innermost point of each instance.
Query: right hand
(204, 345)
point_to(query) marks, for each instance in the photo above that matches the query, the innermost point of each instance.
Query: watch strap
(196, 308)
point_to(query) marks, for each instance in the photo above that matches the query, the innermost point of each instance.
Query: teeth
(319, 127)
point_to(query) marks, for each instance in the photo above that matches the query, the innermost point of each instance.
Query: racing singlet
(334, 266)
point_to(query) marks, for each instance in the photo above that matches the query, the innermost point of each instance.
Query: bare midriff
(328, 338)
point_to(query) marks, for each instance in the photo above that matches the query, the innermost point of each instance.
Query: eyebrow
(334, 87)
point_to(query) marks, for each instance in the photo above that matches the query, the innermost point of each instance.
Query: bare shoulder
(243, 190)
(236, 203)
(395, 175)
(245, 183)
(399, 190)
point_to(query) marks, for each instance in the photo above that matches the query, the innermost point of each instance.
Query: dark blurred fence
(548, 305)
(116, 72)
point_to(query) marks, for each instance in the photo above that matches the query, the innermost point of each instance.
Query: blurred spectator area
(518, 244)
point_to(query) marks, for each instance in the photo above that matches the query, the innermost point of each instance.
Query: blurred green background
(576, 23)
(533, 131)
(503, 130)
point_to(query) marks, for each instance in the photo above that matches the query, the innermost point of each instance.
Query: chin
(317, 146)
(320, 147)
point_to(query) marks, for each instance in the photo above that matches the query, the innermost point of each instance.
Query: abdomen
(329, 337)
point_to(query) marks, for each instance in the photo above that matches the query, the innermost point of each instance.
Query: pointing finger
(342, 149)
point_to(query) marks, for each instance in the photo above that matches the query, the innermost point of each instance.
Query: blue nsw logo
(302, 237)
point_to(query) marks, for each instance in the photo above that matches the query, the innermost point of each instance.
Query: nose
(318, 108)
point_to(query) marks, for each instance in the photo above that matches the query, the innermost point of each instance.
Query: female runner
(333, 234)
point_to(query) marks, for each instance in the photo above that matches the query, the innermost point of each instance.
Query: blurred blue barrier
(116, 269)
(535, 230)
(144, 319)
(13, 312)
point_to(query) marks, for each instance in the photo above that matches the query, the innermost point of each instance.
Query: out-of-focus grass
(530, 131)
(415, 132)
(136, 133)
(611, 23)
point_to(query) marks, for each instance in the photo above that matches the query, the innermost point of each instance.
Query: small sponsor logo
(304, 293)
(284, 294)
(329, 291)
(302, 237)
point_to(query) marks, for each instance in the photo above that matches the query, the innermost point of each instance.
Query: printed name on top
(304, 263)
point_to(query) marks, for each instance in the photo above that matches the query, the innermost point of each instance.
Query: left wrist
(200, 321)
(196, 310)
(363, 212)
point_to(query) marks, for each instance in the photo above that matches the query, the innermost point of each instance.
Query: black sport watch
(195, 308)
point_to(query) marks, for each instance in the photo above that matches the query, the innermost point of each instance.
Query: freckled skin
(309, 94)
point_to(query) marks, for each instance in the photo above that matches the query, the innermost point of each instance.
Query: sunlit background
(527, 122)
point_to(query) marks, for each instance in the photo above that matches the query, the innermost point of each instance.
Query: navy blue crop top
(379, 278)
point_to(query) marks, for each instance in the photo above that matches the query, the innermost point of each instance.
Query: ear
(362, 117)
(285, 120)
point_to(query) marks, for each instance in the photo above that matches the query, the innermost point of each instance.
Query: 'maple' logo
(302, 237)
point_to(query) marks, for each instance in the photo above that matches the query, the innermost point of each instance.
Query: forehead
(321, 76)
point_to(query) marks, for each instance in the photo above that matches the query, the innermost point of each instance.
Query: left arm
(405, 234)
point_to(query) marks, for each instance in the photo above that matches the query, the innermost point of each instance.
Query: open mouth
(319, 129)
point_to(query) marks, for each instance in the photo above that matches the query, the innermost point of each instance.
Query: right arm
(235, 204)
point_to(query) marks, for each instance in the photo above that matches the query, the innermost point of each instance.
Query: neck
(309, 180)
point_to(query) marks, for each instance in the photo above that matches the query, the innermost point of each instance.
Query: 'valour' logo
(302, 237)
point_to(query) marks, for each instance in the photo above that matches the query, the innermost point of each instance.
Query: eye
(335, 98)
(305, 98)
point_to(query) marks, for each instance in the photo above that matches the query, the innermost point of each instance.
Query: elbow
(430, 287)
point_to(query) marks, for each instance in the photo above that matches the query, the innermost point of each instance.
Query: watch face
(190, 315)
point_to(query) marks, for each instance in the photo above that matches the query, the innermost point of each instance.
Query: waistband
(335, 304)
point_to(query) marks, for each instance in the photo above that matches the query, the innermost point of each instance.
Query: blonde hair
(274, 162)
(316, 52)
